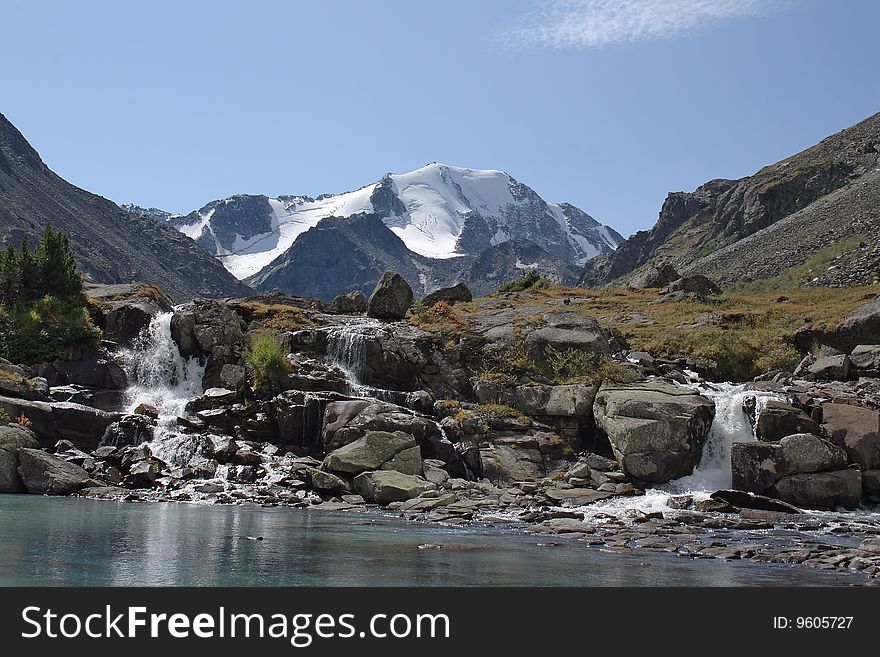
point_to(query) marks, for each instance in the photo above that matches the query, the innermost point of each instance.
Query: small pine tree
(56, 265)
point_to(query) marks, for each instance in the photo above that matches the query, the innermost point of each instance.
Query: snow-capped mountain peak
(438, 211)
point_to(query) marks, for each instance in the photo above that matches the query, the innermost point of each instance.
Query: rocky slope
(827, 193)
(341, 255)
(427, 420)
(111, 245)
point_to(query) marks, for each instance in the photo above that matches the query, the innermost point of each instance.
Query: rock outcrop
(656, 430)
(391, 298)
(12, 438)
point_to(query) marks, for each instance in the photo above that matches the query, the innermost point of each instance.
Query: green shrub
(42, 307)
(578, 366)
(4, 417)
(531, 280)
(268, 361)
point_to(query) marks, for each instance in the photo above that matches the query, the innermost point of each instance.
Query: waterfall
(347, 350)
(160, 377)
(730, 425)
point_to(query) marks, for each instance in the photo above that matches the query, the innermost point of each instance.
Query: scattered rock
(12, 438)
(352, 303)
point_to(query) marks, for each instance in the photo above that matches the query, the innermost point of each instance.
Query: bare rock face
(856, 430)
(386, 486)
(391, 299)
(372, 452)
(12, 438)
(46, 474)
(802, 469)
(656, 430)
(349, 304)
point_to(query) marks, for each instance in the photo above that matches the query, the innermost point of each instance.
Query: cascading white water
(160, 377)
(347, 350)
(731, 425)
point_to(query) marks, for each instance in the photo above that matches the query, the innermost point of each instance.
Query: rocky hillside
(780, 217)
(341, 255)
(111, 245)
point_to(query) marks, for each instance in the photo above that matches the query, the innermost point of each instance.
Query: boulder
(778, 419)
(368, 453)
(129, 430)
(790, 469)
(830, 368)
(201, 326)
(862, 325)
(822, 490)
(391, 298)
(561, 331)
(458, 292)
(386, 486)
(91, 373)
(656, 430)
(575, 400)
(695, 284)
(124, 321)
(84, 426)
(653, 276)
(46, 474)
(856, 430)
(326, 482)
(353, 303)
(865, 359)
(12, 438)
(408, 461)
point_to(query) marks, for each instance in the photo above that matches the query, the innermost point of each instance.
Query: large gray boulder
(778, 420)
(12, 438)
(89, 372)
(84, 426)
(47, 474)
(656, 430)
(458, 292)
(371, 452)
(386, 486)
(201, 327)
(802, 469)
(856, 430)
(695, 284)
(575, 400)
(862, 325)
(391, 298)
(830, 368)
(561, 331)
(865, 359)
(822, 490)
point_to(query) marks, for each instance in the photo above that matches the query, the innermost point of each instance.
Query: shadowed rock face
(111, 245)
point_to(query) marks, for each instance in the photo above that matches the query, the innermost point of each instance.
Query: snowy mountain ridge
(438, 211)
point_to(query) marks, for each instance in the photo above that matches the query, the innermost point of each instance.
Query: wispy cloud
(597, 23)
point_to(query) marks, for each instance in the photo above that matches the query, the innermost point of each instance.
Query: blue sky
(607, 104)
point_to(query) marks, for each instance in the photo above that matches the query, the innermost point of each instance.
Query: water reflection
(66, 541)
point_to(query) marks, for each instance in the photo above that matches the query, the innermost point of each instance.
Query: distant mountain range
(433, 225)
(111, 245)
(826, 198)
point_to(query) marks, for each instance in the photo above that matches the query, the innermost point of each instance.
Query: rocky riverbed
(376, 411)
